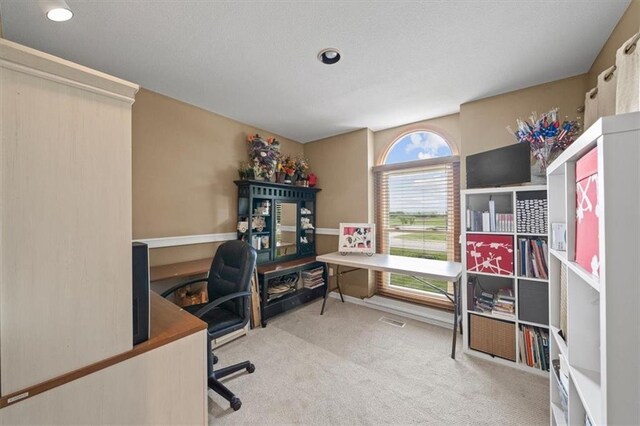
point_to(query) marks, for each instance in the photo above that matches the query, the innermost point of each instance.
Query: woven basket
(491, 336)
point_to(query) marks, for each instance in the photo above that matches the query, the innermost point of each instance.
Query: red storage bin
(587, 212)
(491, 254)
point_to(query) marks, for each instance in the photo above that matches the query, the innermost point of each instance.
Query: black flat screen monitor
(503, 166)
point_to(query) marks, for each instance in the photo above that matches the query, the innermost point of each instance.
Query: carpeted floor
(347, 367)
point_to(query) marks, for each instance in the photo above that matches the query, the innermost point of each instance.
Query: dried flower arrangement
(263, 156)
(265, 159)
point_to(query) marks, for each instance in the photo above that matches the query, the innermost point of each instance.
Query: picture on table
(357, 238)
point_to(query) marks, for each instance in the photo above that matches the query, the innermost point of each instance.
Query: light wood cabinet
(66, 345)
(65, 216)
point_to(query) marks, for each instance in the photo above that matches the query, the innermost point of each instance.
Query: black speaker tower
(140, 256)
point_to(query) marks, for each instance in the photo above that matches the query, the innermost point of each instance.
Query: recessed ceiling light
(59, 14)
(329, 56)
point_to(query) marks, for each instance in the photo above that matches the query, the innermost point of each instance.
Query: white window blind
(417, 215)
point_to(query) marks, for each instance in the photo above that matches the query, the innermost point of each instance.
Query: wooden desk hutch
(279, 221)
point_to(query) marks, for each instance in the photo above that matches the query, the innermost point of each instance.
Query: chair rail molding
(328, 231)
(185, 240)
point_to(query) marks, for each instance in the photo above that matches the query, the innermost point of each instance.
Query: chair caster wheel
(215, 359)
(251, 368)
(235, 403)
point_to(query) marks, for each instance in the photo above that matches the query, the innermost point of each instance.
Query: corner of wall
(371, 276)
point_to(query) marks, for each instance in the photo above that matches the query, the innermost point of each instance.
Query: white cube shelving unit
(501, 332)
(602, 346)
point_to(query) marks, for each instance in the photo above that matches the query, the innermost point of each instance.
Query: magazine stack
(313, 277)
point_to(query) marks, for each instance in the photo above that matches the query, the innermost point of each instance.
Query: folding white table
(420, 269)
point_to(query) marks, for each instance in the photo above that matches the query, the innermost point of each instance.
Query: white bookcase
(487, 335)
(603, 324)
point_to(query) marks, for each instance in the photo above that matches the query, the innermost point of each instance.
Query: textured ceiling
(255, 61)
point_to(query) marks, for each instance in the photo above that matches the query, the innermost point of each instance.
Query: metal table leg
(327, 291)
(338, 274)
(456, 316)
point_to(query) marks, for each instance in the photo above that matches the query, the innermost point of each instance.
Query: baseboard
(403, 309)
(230, 337)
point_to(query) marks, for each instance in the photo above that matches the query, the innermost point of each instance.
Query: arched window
(419, 145)
(417, 210)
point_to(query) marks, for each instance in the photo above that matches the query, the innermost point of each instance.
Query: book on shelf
(504, 304)
(506, 294)
(489, 221)
(486, 222)
(501, 304)
(534, 347)
(533, 255)
(313, 285)
(564, 371)
(503, 315)
(484, 302)
(492, 215)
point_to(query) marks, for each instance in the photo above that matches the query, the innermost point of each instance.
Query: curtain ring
(629, 48)
(593, 93)
(609, 73)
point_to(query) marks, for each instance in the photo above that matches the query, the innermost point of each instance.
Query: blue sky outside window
(418, 146)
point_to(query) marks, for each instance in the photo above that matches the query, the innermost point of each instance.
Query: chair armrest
(177, 286)
(219, 301)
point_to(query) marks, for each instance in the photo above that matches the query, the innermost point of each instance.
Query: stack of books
(489, 220)
(534, 253)
(534, 347)
(484, 302)
(504, 304)
(313, 277)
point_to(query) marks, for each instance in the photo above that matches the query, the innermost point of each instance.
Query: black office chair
(229, 306)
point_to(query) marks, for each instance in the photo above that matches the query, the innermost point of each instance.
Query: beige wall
(343, 165)
(483, 122)
(185, 160)
(628, 25)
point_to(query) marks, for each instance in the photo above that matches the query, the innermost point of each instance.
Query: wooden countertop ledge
(180, 270)
(168, 324)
